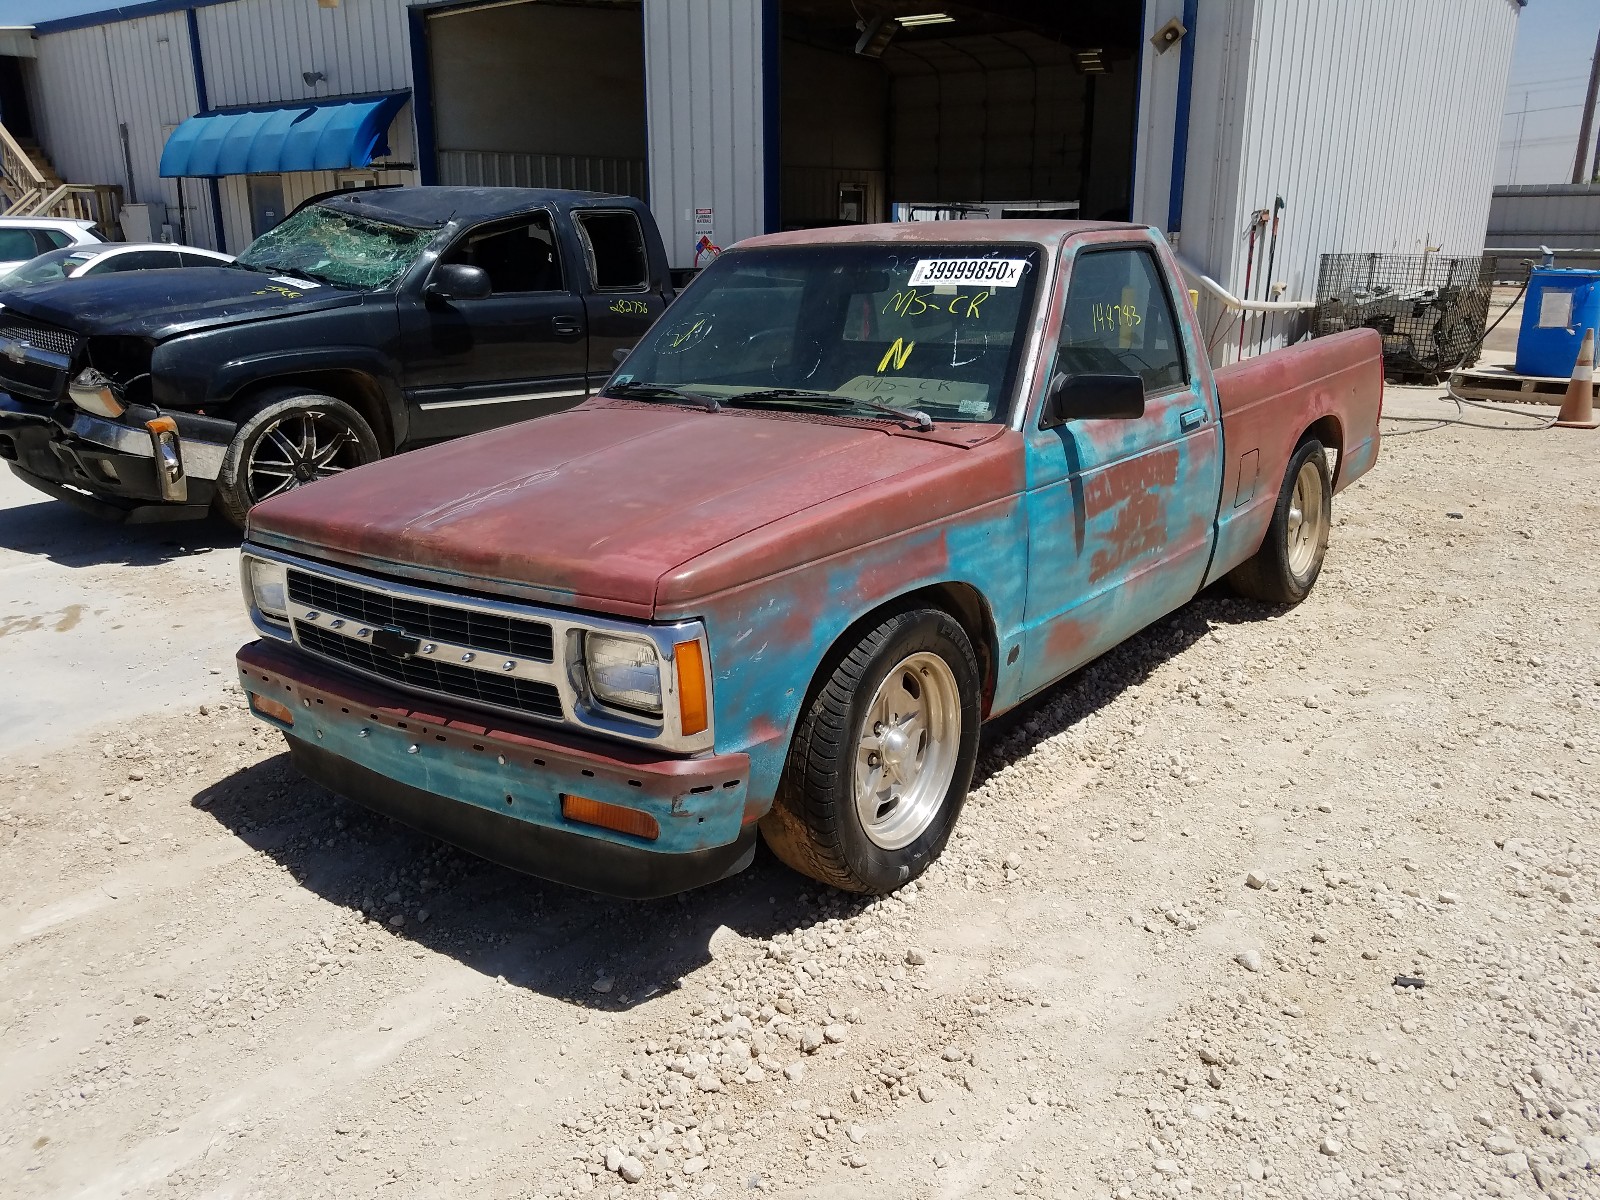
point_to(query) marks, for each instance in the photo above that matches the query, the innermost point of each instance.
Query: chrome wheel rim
(1307, 517)
(906, 750)
(300, 448)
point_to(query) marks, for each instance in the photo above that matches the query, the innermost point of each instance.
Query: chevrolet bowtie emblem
(392, 639)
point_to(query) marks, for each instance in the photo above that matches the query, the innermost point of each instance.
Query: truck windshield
(337, 248)
(930, 328)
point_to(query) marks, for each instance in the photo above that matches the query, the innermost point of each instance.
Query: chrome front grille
(446, 679)
(492, 633)
(471, 653)
(56, 341)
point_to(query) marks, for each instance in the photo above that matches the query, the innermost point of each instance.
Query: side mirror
(458, 281)
(619, 355)
(1092, 398)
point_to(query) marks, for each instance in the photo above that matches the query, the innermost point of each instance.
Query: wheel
(288, 438)
(882, 757)
(1290, 558)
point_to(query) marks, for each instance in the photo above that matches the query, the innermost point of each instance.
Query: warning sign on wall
(705, 220)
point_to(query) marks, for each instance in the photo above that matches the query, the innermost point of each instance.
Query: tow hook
(169, 458)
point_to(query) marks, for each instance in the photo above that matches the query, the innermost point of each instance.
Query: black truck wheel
(288, 438)
(1290, 559)
(882, 758)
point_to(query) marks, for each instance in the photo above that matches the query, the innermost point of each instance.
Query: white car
(103, 258)
(22, 238)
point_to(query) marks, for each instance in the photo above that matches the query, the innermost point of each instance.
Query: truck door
(622, 302)
(520, 352)
(1120, 512)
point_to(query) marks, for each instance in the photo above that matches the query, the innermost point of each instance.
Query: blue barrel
(1561, 303)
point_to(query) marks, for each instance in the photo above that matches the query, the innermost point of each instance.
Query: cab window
(1119, 320)
(519, 256)
(617, 256)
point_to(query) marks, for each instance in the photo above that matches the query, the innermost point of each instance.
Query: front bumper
(109, 467)
(495, 789)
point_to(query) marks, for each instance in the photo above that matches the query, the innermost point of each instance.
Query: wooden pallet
(1502, 385)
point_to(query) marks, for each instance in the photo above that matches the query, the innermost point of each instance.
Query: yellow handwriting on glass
(896, 354)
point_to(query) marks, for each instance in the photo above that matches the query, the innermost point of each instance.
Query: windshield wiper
(660, 391)
(916, 416)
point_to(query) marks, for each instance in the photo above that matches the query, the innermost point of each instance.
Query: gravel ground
(1263, 904)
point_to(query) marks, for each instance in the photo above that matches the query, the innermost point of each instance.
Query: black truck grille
(490, 632)
(518, 695)
(57, 341)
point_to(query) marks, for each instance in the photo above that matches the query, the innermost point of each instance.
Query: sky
(1544, 100)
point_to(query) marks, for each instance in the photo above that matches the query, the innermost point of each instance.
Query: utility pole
(1579, 172)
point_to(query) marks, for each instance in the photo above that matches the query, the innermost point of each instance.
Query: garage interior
(546, 94)
(918, 109)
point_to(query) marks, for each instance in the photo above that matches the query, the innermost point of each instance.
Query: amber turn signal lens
(266, 707)
(610, 816)
(694, 715)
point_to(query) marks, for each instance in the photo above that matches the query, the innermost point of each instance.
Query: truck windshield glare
(337, 248)
(936, 329)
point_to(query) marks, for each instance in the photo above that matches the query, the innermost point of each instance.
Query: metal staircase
(30, 187)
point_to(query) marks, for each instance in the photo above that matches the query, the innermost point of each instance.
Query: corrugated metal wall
(703, 94)
(1545, 214)
(1375, 123)
(85, 83)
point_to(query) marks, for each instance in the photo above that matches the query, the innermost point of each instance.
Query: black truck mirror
(1092, 398)
(458, 281)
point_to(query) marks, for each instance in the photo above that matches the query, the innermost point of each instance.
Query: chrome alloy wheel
(300, 448)
(1308, 519)
(906, 750)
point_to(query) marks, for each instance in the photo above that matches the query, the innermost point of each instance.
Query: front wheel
(882, 758)
(1290, 558)
(286, 439)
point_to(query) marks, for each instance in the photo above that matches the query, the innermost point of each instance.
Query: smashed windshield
(931, 328)
(338, 248)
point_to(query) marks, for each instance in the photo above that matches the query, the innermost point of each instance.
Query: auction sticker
(991, 272)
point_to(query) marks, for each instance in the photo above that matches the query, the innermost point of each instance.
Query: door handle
(1192, 418)
(566, 325)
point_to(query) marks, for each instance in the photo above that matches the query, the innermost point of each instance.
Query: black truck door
(623, 301)
(520, 352)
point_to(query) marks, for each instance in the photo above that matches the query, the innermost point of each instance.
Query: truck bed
(1332, 387)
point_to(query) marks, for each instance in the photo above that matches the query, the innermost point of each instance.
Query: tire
(912, 785)
(1290, 559)
(258, 465)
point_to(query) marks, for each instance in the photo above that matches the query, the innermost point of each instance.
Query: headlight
(624, 672)
(269, 587)
(94, 393)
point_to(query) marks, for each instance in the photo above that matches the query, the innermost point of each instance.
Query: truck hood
(592, 507)
(160, 304)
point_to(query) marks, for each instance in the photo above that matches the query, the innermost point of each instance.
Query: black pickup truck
(366, 323)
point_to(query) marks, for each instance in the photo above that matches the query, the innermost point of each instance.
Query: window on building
(1119, 320)
(519, 257)
(615, 243)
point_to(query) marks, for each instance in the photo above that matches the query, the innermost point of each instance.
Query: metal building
(1362, 127)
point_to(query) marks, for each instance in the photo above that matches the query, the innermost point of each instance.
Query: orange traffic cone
(1577, 410)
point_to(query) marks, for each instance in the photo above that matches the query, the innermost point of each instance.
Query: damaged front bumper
(143, 466)
(506, 790)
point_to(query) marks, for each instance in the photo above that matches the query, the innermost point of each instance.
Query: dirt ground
(1264, 904)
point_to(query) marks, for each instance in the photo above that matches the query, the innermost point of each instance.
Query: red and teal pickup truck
(858, 491)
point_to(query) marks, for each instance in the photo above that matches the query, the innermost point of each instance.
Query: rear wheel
(287, 439)
(1290, 559)
(882, 758)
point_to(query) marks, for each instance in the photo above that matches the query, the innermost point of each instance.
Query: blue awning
(324, 136)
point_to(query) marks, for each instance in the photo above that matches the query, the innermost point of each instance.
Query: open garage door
(538, 94)
(907, 109)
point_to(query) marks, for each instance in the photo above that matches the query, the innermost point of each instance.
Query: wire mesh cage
(1429, 310)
